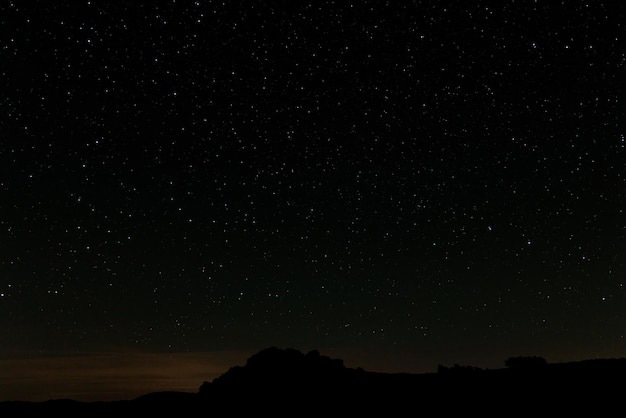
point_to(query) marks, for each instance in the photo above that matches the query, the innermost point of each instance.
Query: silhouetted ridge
(279, 380)
(287, 382)
(274, 364)
(273, 371)
(290, 359)
(275, 378)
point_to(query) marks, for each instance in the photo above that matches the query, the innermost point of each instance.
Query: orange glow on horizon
(105, 376)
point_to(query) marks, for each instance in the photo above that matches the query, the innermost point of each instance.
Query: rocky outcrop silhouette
(278, 379)
(287, 382)
(284, 369)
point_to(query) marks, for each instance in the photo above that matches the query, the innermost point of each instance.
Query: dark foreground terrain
(287, 382)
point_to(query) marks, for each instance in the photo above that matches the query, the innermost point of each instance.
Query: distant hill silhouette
(288, 382)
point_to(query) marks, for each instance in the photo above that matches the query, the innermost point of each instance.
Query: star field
(439, 179)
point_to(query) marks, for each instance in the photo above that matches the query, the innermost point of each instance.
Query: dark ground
(290, 383)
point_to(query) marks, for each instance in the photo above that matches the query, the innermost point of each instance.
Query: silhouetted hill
(289, 382)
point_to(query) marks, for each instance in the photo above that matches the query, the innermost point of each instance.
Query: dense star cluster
(432, 177)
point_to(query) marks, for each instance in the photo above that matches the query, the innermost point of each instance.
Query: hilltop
(288, 381)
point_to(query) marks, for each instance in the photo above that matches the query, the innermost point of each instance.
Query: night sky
(397, 184)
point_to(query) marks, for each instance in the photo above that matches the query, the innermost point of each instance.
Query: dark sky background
(398, 184)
